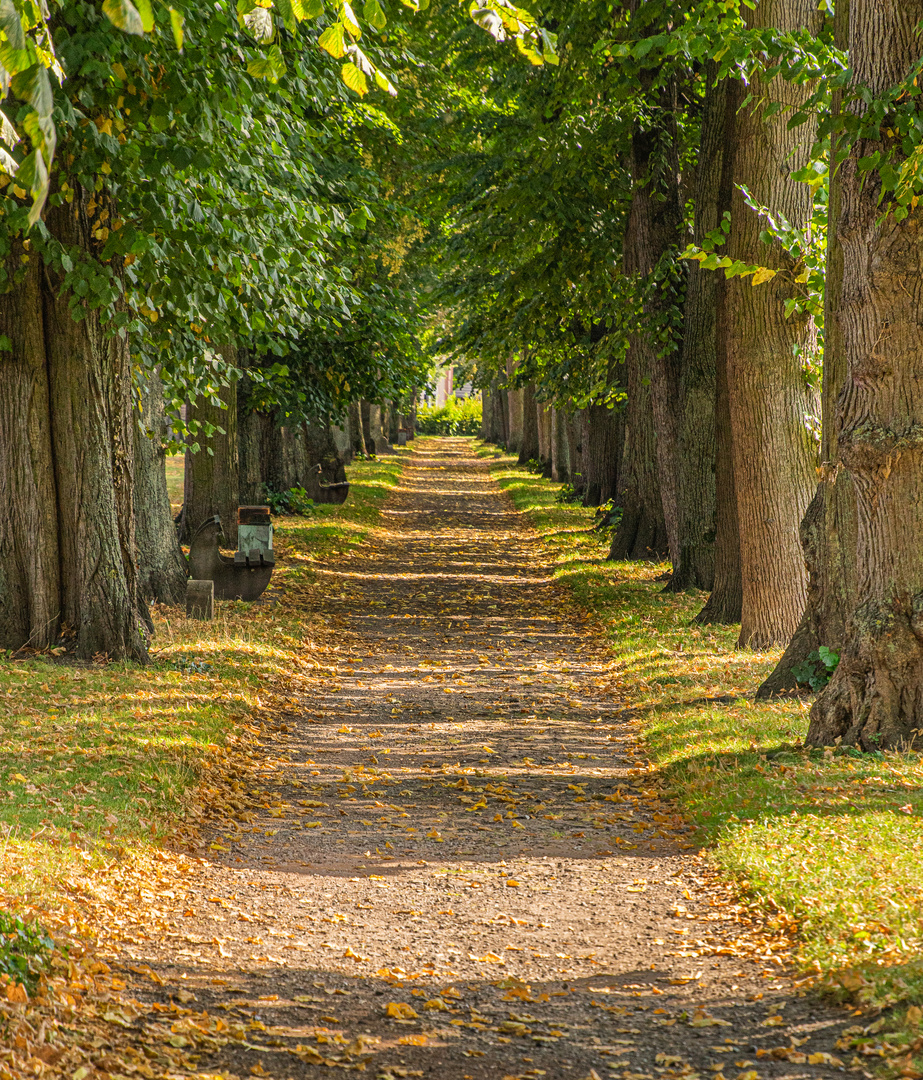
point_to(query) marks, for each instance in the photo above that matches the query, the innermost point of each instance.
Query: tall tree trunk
(651, 236)
(543, 420)
(514, 405)
(641, 533)
(365, 414)
(603, 447)
(875, 697)
(774, 454)
(528, 450)
(66, 460)
(211, 481)
(30, 580)
(575, 432)
(696, 434)
(560, 465)
(724, 603)
(161, 566)
(828, 531)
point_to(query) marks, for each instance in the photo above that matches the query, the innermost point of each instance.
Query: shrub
(293, 502)
(454, 418)
(25, 950)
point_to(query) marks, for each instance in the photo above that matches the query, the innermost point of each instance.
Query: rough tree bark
(652, 233)
(560, 463)
(828, 531)
(875, 697)
(543, 423)
(528, 450)
(161, 566)
(211, 479)
(356, 431)
(696, 433)
(514, 405)
(67, 544)
(575, 432)
(726, 599)
(774, 454)
(603, 445)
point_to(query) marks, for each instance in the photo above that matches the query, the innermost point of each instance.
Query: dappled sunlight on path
(455, 864)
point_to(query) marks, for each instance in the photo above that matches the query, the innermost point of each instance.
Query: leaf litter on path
(451, 860)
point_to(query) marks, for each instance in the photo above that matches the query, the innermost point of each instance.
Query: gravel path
(455, 866)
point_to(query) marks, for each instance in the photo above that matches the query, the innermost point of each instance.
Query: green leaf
(382, 82)
(313, 9)
(124, 15)
(373, 11)
(258, 22)
(333, 40)
(176, 24)
(355, 79)
(146, 13)
(32, 86)
(11, 24)
(349, 20)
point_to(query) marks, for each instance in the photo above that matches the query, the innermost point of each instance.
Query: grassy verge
(830, 843)
(100, 765)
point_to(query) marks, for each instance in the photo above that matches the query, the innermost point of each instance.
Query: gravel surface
(454, 864)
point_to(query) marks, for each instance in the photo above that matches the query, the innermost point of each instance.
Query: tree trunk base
(640, 535)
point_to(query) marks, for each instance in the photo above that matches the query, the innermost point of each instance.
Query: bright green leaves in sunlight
(256, 19)
(374, 14)
(503, 20)
(124, 15)
(27, 55)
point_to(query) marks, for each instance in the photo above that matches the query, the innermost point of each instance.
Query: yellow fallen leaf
(436, 1005)
(311, 824)
(772, 1021)
(400, 1010)
(512, 883)
(19, 778)
(490, 958)
(413, 1040)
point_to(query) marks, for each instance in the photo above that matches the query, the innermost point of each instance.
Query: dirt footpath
(455, 867)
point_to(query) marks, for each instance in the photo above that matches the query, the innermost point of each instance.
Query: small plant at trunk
(25, 950)
(816, 669)
(294, 502)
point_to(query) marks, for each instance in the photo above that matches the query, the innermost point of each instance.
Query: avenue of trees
(677, 244)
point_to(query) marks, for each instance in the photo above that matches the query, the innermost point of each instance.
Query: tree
(770, 397)
(874, 698)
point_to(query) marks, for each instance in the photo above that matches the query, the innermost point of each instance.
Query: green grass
(176, 471)
(104, 762)
(830, 843)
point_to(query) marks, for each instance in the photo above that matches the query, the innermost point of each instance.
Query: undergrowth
(828, 842)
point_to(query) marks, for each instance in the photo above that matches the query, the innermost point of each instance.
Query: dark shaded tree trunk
(774, 454)
(724, 603)
(211, 481)
(67, 544)
(575, 431)
(543, 423)
(875, 697)
(356, 430)
(528, 450)
(603, 447)
(161, 565)
(651, 237)
(696, 432)
(514, 406)
(560, 464)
